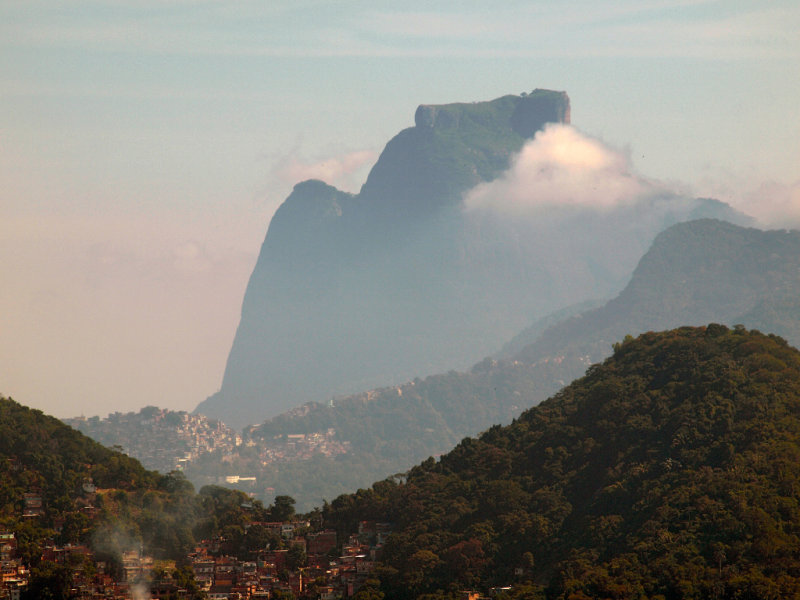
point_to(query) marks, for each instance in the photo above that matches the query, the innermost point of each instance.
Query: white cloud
(344, 172)
(560, 167)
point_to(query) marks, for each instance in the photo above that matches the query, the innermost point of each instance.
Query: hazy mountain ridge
(695, 272)
(401, 280)
(668, 471)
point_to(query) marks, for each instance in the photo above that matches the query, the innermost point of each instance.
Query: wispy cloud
(766, 32)
(696, 28)
(345, 172)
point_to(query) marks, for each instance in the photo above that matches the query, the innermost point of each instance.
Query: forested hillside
(57, 486)
(671, 470)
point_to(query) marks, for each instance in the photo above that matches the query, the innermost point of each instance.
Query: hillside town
(165, 440)
(161, 439)
(308, 564)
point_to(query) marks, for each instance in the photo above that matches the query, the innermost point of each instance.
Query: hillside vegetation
(387, 430)
(672, 470)
(85, 493)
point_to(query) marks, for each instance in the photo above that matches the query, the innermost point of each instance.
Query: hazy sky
(144, 146)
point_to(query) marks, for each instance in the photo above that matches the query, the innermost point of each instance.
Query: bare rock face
(352, 292)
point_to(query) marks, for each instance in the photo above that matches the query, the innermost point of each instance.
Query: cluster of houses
(326, 570)
(13, 573)
(325, 573)
(165, 441)
(301, 446)
(160, 439)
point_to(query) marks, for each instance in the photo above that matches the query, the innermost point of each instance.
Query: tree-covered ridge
(672, 470)
(57, 486)
(39, 451)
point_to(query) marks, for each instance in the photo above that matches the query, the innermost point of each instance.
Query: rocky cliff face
(355, 291)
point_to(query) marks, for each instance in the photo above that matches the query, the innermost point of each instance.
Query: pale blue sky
(144, 145)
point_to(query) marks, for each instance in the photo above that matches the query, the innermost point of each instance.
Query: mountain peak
(453, 147)
(525, 114)
(399, 280)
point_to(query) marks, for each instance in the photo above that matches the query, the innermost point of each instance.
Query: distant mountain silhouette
(355, 291)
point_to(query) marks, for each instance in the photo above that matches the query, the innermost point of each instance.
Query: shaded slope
(670, 469)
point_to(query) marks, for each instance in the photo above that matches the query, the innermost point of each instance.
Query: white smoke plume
(140, 591)
(561, 167)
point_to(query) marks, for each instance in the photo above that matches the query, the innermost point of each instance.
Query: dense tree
(282, 509)
(49, 581)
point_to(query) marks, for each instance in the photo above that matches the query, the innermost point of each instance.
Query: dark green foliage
(49, 581)
(671, 470)
(38, 451)
(133, 509)
(184, 578)
(282, 509)
(295, 557)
